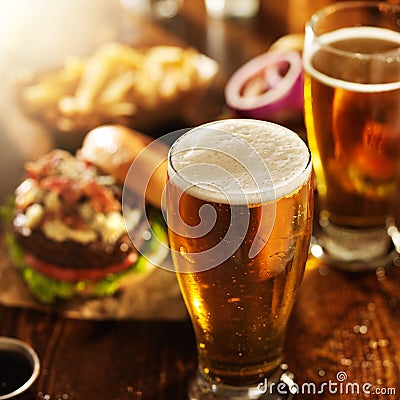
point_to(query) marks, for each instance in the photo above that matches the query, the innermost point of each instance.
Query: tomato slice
(75, 275)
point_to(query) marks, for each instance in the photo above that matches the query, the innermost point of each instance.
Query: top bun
(113, 148)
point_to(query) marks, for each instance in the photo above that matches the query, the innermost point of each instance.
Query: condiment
(15, 371)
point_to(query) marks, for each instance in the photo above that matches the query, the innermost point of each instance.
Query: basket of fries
(140, 88)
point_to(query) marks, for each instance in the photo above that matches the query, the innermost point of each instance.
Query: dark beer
(240, 305)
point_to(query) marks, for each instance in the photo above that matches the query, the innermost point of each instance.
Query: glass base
(355, 249)
(277, 387)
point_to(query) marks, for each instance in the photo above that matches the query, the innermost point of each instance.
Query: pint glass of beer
(239, 206)
(352, 112)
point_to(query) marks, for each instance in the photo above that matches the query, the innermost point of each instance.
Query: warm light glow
(200, 310)
(159, 8)
(215, 7)
(40, 34)
(197, 304)
(314, 263)
(394, 233)
(316, 250)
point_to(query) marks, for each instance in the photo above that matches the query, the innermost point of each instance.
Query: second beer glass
(352, 111)
(240, 206)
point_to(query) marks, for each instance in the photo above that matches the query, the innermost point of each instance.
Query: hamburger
(69, 233)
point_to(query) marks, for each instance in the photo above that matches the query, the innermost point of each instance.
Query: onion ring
(269, 87)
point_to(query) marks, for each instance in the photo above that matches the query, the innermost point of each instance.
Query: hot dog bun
(113, 148)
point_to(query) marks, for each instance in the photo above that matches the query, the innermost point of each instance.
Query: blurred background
(38, 35)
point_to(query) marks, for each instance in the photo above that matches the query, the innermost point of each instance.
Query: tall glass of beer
(352, 113)
(239, 205)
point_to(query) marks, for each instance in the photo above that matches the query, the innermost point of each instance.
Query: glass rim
(307, 170)
(343, 5)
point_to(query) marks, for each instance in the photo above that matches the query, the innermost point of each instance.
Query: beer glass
(352, 113)
(239, 205)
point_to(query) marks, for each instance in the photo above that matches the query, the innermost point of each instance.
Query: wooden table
(342, 322)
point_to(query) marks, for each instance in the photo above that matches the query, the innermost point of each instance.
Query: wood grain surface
(342, 323)
(346, 322)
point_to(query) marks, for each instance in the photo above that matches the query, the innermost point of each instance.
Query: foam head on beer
(239, 161)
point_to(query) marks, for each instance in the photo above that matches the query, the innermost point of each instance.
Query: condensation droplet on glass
(373, 344)
(380, 273)
(209, 338)
(346, 361)
(383, 342)
(146, 235)
(185, 255)
(365, 364)
(370, 357)
(387, 363)
(234, 300)
(321, 372)
(363, 329)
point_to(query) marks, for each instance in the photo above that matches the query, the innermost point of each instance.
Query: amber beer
(239, 304)
(353, 123)
(352, 100)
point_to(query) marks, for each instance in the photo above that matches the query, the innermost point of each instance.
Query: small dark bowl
(19, 367)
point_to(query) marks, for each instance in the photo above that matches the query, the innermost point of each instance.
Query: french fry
(119, 109)
(118, 87)
(116, 81)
